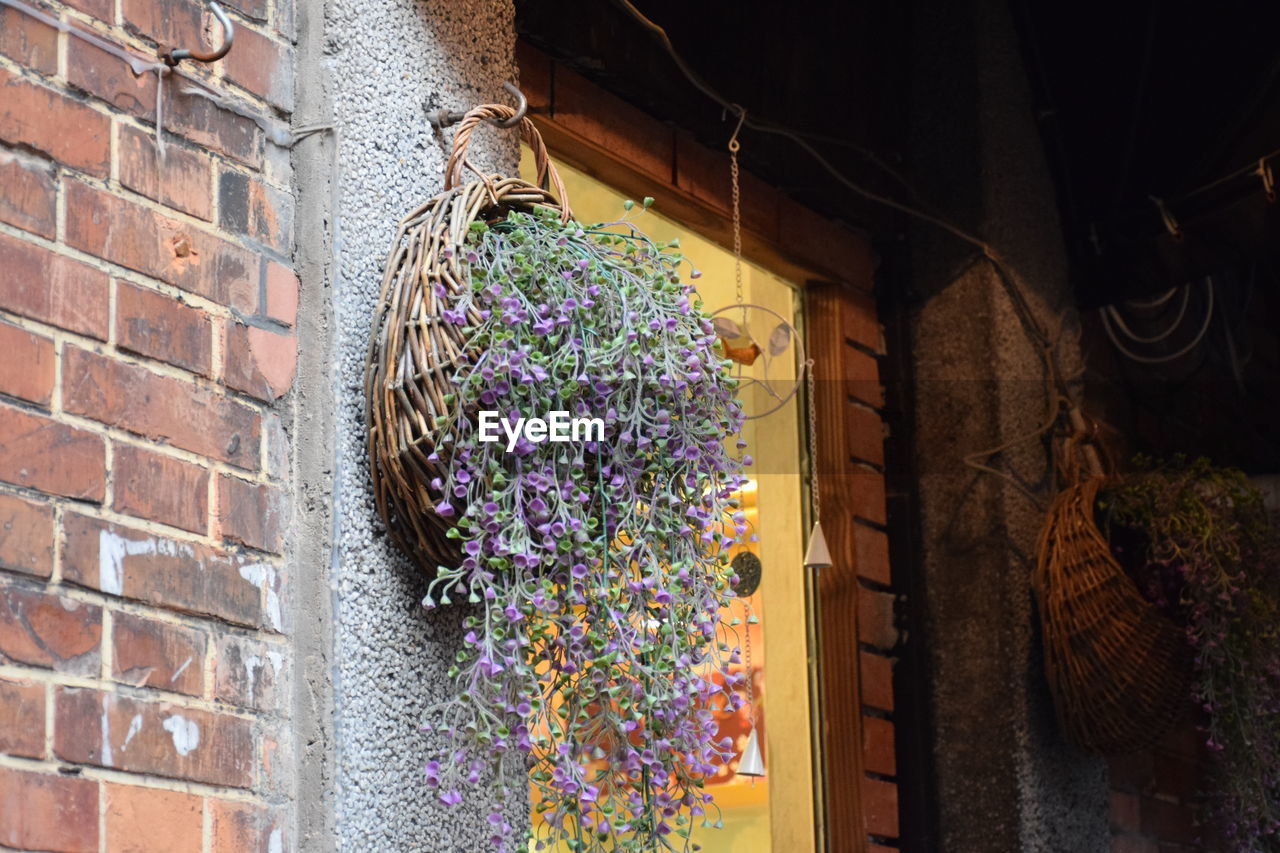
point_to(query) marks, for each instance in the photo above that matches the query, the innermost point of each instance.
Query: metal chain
(813, 442)
(734, 145)
(751, 670)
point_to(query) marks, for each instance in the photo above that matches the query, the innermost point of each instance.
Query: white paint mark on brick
(113, 548)
(186, 663)
(186, 734)
(251, 665)
(135, 726)
(263, 577)
(275, 844)
(107, 758)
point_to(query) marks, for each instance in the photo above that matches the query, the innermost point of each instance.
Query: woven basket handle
(547, 176)
(1083, 459)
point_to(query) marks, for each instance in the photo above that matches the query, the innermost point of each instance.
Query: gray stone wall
(1005, 780)
(378, 661)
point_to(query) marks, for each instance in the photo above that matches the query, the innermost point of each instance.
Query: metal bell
(818, 556)
(751, 763)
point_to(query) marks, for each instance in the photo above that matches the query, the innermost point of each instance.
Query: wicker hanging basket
(1118, 668)
(414, 354)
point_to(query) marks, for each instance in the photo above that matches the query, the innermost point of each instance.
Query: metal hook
(1268, 179)
(173, 57)
(1170, 224)
(443, 118)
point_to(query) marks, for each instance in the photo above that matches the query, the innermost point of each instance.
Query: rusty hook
(173, 57)
(522, 106)
(444, 118)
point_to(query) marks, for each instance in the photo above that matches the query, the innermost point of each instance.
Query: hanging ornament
(764, 346)
(818, 555)
(743, 350)
(767, 355)
(751, 763)
(747, 567)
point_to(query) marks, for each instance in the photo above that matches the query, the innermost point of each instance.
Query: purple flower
(570, 546)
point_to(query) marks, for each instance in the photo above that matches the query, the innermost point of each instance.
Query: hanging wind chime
(818, 556)
(743, 350)
(734, 325)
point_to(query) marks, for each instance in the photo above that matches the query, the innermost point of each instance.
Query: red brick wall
(146, 353)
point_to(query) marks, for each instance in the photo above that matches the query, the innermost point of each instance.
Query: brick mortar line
(239, 19)
(156, 365)
(264, 451)
(108, 469)
(210, 226)
(55, 575)
(233, 166)
(106, 647)
(210, 625)
(120, 118)
(208, 669)
(112, 309)
(121, 272)
(212, 229)
(59, 204)
(130, 439)
(217, 158)
(146, 695)
(49, 717)
(217, 350)
(193, 300)
(62, 52)
(113, 157)
(145, 525)
(55, 394)
(94, 773)
(112, 185)
(61, 336)
(213, 519)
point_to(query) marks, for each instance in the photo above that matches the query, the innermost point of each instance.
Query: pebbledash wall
(378, 66)
(147, 312)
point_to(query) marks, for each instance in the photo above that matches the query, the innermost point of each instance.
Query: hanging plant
(1206, 552)
(595, 654)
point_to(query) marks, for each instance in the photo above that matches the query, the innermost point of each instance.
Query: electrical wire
(1115, 315)
(1045, 344)
(1005, 274)
(1154, 302)
(1164, 359)
(755, 124)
